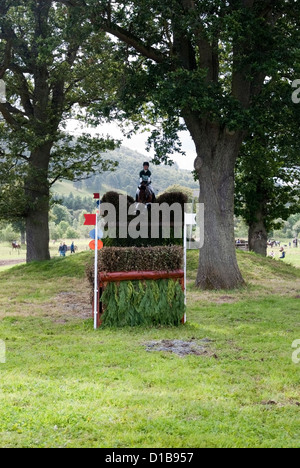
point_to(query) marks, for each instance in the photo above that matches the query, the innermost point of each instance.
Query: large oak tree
(55, 68)
(201, 64)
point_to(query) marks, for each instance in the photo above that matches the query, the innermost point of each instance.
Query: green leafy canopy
(55, 69)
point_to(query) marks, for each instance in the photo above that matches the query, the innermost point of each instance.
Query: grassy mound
(253, 267)
(70, 267)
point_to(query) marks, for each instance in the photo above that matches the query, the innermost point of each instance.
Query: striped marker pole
(96, 278)
(96, 305)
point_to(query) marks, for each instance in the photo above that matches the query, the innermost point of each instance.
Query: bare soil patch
(182, 348)
(63, 307)
(67, 306)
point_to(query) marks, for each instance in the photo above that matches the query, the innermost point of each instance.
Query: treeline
(74, 203)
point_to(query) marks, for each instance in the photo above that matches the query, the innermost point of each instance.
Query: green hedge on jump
(112, 259)
(143, 303)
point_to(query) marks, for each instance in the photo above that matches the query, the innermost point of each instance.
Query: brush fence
(141, 298)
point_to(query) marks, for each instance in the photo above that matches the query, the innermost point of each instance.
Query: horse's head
(145, 195)
(144, 184)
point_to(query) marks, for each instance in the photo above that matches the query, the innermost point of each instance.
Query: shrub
(129, 242)
(178, 188)
(62, 228)
(113, 259)
(71, 233)
(55, 233)
(9, 234)
(113, 198)
(173, 197)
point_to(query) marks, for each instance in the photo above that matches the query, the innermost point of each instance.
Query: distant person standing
(72, 248)
(65, 249)
(61, 250)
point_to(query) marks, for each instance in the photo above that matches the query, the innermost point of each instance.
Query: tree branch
(25, 94)
(7, 33)
(208, 53)
(7, 110)
(7, 58)
(133, 41)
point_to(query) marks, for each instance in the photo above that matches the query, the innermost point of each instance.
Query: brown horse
(145, 195)
(15, 245)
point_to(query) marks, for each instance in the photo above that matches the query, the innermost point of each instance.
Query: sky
(138, 142)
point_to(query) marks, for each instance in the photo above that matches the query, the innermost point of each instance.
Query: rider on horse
(145, 180)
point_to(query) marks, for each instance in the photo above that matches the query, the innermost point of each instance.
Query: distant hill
(126, 176)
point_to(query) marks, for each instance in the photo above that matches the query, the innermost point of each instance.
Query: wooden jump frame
(116, 277)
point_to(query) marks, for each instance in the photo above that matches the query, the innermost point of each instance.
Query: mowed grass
(9, 255)
(65, 385)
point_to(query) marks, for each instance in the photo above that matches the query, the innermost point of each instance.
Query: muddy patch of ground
(182, 348)
(63, 307)
(67, 306)
(280, 404)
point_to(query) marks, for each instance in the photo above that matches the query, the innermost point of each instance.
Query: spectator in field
(61, 250)
(72, 248)
(65, 249)
(272, 254)
(283, 253)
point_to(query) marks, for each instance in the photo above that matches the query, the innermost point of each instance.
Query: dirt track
(11, 262)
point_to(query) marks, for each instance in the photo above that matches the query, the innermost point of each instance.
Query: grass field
(64, 385)
(64, 188)
(10, 255)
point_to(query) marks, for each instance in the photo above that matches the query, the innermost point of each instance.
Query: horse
(15, 245)
(146, 197)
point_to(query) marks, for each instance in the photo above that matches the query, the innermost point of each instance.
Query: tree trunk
(217, 151)
(258, 236)
(38, 195)
(37, 233)
(23, 236)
